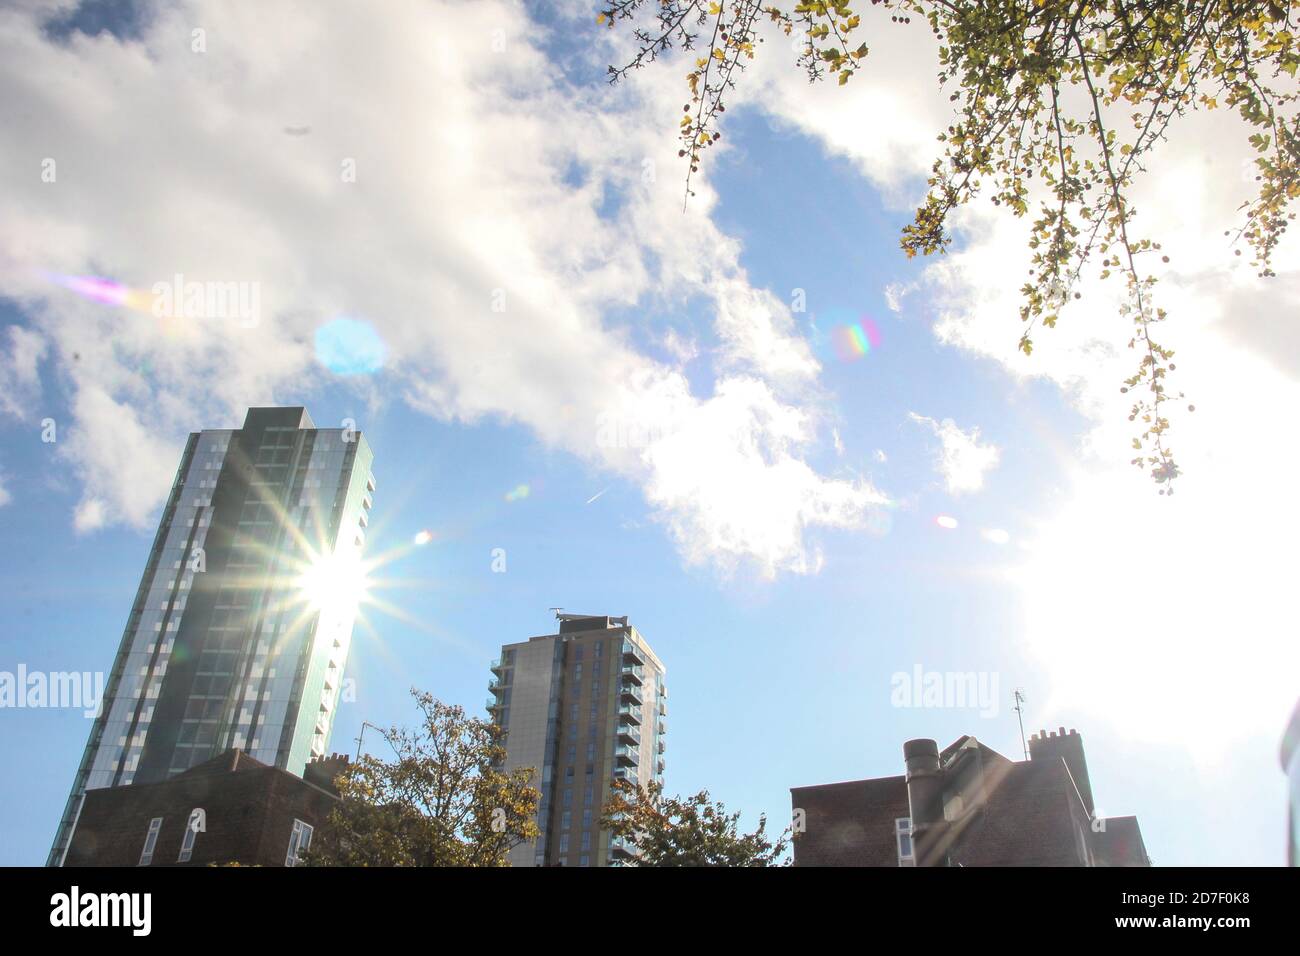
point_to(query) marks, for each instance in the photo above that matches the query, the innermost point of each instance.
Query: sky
(652, 411)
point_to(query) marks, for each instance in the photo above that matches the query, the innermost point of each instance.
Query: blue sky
(780, 644)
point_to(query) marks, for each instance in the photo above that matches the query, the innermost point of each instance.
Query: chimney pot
(924, 798)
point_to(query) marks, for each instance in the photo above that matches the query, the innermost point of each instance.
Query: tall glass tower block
(240, 630)
(581, 708)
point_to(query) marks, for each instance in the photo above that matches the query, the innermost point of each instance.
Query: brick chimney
(925, 801)
(1067, 747)
(323, 771)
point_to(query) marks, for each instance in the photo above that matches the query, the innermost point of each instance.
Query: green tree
(691, 831)
(443, 801)
(1073, 95)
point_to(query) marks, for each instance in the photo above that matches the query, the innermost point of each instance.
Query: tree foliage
(443, 801)
(691, 831)
(1070, 94)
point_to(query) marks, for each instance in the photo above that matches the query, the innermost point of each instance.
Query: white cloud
(19, 371)
(962, 460)
(464, 155)
(682, 349)
(5, 496)
(758, 333)
(750, 440)
(895, 292)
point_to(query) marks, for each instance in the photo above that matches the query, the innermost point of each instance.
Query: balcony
(662, 728)
(629, 735)
(630, 694)
(633, 673)
(659, 766)
(629, 714)
(627, 773)
(495, 667)
(493, 704)
(661, 746)
(496, 685)
(627, 755)
(621, 848)
(632, 654)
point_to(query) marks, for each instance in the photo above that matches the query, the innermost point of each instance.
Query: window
(903, 835)
(150, 841)
(299, 842)
(191, 834)
(564, 844)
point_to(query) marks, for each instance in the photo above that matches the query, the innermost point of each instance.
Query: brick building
(967, 806)
(231, 808)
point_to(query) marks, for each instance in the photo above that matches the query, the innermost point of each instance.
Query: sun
(335, 582)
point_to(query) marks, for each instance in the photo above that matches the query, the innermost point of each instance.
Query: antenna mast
(1020, 716)
(361, 737)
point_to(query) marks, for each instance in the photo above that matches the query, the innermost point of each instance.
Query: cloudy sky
(788, 520)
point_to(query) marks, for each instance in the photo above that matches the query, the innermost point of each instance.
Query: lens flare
(103, 291)
(518, 493)
(350, 347)
(423, 537)
(995, 536)
(855, 340)
(946, 521)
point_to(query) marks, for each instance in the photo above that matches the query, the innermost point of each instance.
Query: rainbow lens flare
(103, 291)
(855, 340)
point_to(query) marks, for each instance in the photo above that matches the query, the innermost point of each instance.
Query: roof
(999, 812)
(1118, 842)
(232, 761)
